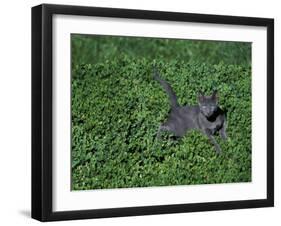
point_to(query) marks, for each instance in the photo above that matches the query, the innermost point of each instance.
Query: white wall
(15, 111)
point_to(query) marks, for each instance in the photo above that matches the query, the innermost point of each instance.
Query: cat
(206, 117)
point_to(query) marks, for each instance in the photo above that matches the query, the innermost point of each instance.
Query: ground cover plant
(117, 108)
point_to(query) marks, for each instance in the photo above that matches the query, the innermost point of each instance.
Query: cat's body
(206, 116)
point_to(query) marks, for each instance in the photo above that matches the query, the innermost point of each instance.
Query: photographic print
(149, 112)
(139, 112)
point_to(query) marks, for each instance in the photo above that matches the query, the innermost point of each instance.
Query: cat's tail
(167, 88)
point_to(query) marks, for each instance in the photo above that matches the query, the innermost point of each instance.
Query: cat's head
(208, 104)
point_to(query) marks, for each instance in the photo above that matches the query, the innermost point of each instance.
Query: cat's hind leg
(161, 129)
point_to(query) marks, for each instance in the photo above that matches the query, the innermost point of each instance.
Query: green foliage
(117, 108)
(94, 49)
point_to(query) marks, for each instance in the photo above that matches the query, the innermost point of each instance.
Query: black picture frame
(42, 85)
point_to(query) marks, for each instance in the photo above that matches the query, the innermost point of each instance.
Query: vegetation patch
(117, 108)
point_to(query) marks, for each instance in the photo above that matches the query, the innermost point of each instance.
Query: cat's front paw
(223, 135)
(218, 150)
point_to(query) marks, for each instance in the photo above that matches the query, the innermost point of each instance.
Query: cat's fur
(206, 116)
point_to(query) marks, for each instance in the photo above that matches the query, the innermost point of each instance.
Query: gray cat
(206, 116)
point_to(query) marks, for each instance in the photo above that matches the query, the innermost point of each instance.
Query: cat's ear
(215, 95)
(200, 97)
